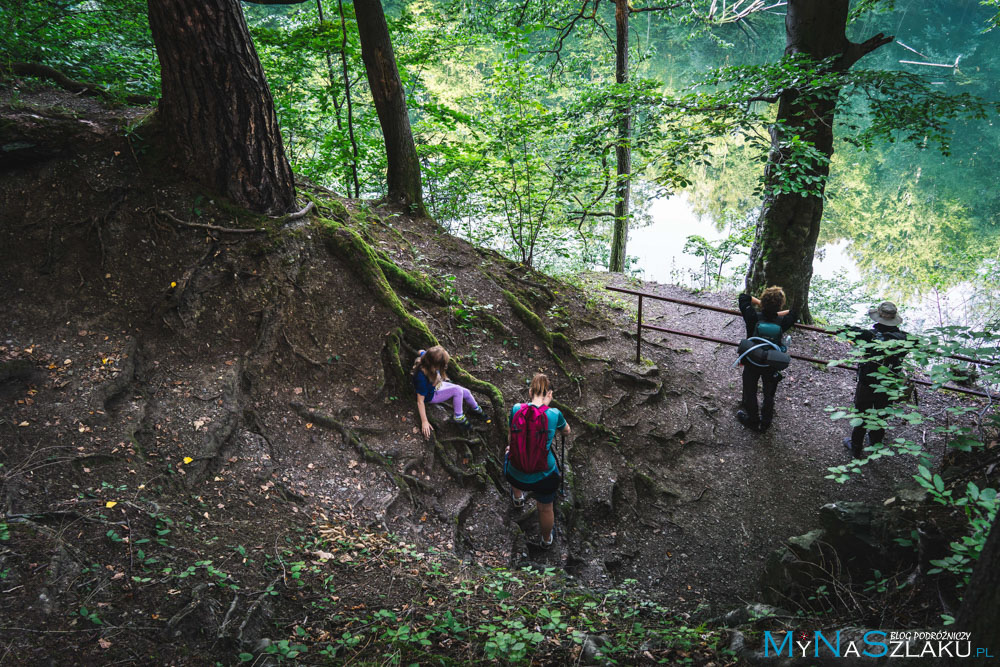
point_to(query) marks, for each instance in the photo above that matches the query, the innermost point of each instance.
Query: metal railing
(640, 326)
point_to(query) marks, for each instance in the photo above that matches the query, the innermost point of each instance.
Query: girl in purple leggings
(431, 383)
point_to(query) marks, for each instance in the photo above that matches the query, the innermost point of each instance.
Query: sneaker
(764, 425)
(548, 545)
(479, 414)
(517, 502)
(745, 419)
(462, 421)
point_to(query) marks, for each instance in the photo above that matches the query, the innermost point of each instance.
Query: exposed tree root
(348, 245)
(45, 72)
(212, 228)
(395, 380)
(222, 430)
(535, 285)
(633, 380)
(598, 429)
(291, 217)
(403, 481)
(299, 353)
(535, 324)
(407, 281)
(451, 467)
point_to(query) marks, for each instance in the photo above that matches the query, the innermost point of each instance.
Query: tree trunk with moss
(980, 610)
(623, 146)
(216, 108)
(403, 176)
(788, 226)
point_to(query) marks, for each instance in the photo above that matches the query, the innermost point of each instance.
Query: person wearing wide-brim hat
(883, 347)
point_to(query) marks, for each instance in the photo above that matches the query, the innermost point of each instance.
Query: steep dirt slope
(179, 386)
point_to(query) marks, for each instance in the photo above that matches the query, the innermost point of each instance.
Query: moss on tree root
(408, 282)
(347, 244)
(535, 324)
(599, 429)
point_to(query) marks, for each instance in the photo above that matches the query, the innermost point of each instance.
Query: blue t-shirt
(556, 422)
(423, 386)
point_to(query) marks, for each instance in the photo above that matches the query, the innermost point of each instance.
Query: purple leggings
(447, 391)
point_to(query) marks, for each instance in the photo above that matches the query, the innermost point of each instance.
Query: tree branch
(855, 52)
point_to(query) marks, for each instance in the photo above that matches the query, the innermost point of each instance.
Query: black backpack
(765, 348)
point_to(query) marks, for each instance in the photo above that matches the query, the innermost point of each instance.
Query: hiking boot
(462, 421)
(745, 419)
(479, 414)
(515, 501)
(849, 446)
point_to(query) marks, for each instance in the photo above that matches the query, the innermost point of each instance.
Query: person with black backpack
(883, 352)
(530, 465)
(763, 353)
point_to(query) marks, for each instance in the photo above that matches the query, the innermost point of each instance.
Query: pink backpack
(529, 437)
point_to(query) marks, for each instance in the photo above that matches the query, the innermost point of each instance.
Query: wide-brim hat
(886, 314)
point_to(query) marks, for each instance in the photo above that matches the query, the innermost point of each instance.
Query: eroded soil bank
(179, 387)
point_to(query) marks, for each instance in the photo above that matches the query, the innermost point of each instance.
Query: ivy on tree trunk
(216, 108)
(801, 147)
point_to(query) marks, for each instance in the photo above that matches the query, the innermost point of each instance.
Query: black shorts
(543, 491)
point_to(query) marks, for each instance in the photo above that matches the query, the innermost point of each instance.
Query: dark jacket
(874, 355)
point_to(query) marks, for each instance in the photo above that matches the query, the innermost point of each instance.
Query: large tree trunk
(980, 610)
(216, 107)
(788, 225)
(623, 146)
(390, 102)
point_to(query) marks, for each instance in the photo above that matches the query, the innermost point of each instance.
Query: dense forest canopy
(513, 108)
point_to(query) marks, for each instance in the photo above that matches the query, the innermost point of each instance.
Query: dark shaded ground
(165, 376)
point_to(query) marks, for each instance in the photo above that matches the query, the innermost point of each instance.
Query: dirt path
(739, 493)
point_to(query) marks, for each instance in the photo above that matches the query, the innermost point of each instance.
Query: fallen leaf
(188, 459)
(309, 425)
(198, 423)
(110, 504)
(297, 390)
(352, 464)
(173, 284)
(24, 424)
(104, 643)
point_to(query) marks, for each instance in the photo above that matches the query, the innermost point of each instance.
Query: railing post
(638, 335)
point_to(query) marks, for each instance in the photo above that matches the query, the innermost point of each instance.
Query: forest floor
(195, 421)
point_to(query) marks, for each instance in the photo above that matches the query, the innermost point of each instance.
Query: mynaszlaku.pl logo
(874, 644)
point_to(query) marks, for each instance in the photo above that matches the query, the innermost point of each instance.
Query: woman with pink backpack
(530, 465)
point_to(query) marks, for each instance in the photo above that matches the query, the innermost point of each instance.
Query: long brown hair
(431, 362)
(539, 385)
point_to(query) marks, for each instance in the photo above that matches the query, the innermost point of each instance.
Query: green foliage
(715, 256)
(105, 41)
(963, 429)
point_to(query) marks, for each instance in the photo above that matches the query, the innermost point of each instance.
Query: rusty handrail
(814, 360)
(729, 311)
